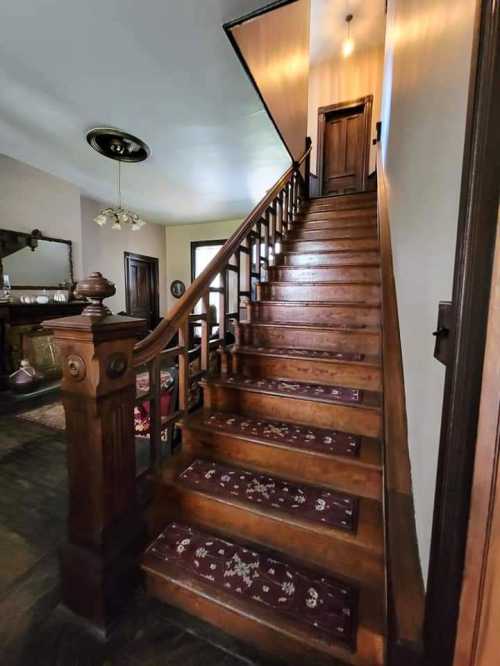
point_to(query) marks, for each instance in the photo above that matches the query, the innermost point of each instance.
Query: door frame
(367, 103)
(154, 262)
(477, 224)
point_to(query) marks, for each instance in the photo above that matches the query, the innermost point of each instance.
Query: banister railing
(122, 398)
(148, 348)
(241, 265)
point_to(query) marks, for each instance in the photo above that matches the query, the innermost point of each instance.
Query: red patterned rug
(321, 440)
(308, 503)
(334, 393)
(317, 603)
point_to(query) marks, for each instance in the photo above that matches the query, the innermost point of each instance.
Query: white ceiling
(328, 27)
(161, 69)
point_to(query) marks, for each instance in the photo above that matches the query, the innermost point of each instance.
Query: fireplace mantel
(22, 319)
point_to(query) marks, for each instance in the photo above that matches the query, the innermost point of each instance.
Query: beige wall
(276, 49)
(427, 62)
(341, 79)
(178, 247)
(32, 199)
(103, 250)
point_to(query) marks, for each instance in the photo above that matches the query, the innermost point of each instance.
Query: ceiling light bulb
(116, 226)
(100, 220)
(347, 47)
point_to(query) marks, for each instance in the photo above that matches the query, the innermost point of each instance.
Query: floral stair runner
(312, 601)
(320, 440)
(312, 391)
(308, 503)
(309, 353)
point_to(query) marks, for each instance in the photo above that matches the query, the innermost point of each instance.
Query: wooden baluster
(205, 331)
(307, 170)
(271, 221)
(184, 366)
(284, 209)
(257, 251)
(223, 307)
(238, 273)
(265, 243)
(155, 413)
(106, 529)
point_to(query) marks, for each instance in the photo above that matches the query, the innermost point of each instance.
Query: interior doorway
(344, 131)
(141, 288)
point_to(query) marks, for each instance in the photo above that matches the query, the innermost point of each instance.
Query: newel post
(105, 524)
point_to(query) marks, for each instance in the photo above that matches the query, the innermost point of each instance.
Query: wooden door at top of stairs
(344, 136)
(141, 287)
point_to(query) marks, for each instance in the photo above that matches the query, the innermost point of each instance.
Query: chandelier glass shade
(118, 217)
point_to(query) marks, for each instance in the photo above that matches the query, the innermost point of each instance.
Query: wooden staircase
(270, 519)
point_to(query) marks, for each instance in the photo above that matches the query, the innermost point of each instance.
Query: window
(202, 253)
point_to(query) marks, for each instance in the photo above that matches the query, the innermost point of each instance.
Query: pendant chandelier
(348, 43)
(121, 147)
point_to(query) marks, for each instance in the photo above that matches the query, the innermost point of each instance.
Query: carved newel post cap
(96, 288)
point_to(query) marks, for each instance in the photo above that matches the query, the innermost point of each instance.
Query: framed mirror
(35, 261)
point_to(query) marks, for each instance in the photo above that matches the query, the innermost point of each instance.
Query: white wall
(428, 51)
(339, 79)
(32, 199)
(103, 250)
(178, 247)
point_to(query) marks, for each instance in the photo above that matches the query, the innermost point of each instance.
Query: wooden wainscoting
(405, 584)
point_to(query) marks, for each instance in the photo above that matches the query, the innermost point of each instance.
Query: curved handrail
(151, 346)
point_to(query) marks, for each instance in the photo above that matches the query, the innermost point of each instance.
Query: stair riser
(358, 420)
(353, 199)
(365, 231)
(338, 223)
(329, 551)
(324, 214)
(330, 259)
(265, 638)
(357, 293)
(296, 338)
(340, 245)
(334, 273)
(336, 315)
(338, 205)
(340, 473)
(313, 371)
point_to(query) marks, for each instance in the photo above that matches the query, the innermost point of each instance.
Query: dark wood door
(343, 150)
(343, 146)
(141, 287)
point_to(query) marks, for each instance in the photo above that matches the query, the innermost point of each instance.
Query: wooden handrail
(405, 584)
(151, 346)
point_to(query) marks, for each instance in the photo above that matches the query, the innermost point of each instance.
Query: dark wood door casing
(344, 146)
(142, 287)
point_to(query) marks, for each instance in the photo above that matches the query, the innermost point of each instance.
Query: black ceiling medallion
(118, 145)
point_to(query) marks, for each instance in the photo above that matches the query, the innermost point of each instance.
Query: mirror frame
(29, 240)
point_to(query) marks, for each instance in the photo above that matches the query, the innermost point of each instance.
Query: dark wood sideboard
(21, 335)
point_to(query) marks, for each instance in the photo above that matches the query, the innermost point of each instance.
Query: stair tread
(301, 502)
(260, 584)
(312, 304)
(325, 283)
(313, 440)
(364, 264)
(334, 395)
(359, 328)
(348, 250)
(312, 354)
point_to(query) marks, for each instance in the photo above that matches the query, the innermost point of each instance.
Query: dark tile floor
(34, 629)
